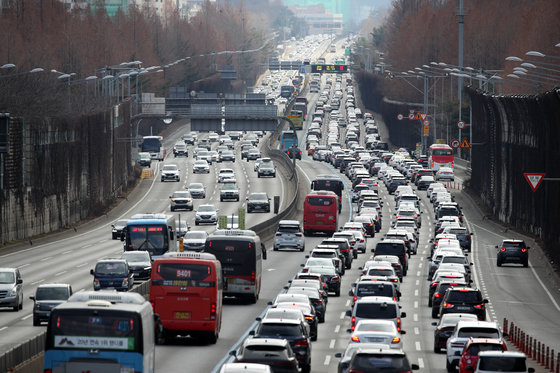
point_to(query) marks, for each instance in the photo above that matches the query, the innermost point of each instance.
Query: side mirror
(113, 225)
(258, 319)
(350, 293)
(349, 313)
(485, 301)
(434, 323)
(269, 303)
(32, 297)
(403, 314)
(458, 353)
(91, 272)
(252, 332)
(19, 281)
(414, 366)
(233, 353)
(338, 355)
(496, 246)
(403, 331)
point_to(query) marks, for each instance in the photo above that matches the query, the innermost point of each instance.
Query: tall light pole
(461, 16)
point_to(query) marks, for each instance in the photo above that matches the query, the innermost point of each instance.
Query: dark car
(395, 183)
(258, 202)
(513, 251)
(294, 332)
(439, 292)
(463, 300)
(423, 182)
(294, 152)
(393, 247)
(112, 274)
(274, 352)
(47, 297)
(463, 235)
(117, 228)
(314, 296)
(351, 349)
(332, 279)
(344, 248)
(140, 262)
(444, 328)
(380, 360)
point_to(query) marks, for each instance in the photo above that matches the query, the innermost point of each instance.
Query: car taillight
(448, 305)
(355, 338)
(299, 235)
(302, 342)
(352, 242)
(278, 234)
(398, 324)
(320, 301)
(355, 298)
(356, 371)
(125, 283)
(309, 318)
(336, 278)
(396, 340)
(502, 249)
(479, 306)
(344, 250)
(361, 240)
(213, 311)
(395, 280)
(353, 322)
(395, 299)
(468, 237)
(437, 295)
(524, 250)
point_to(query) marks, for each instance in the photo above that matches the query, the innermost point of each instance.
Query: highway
(520, 294)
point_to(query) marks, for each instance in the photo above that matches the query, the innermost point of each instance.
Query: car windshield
(200, 162)
(503, 364)
(196, 186)
(196, 235)
(380, 272)
(258, 197)
(475, 348)
(464, 296)
(120, 223)
(169, 168)
(478, 332)
(279, 330)
(136, 256)
(289, 229)
(206, 208)
(373, 289)
(380, 363)
(110, 268)
(376, 310)
(375, 327)
(7, 278)
(181, 195)
(229, 186)
(52, 293)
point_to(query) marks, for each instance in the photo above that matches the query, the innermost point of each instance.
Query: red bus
(331, 183)
(186, 292)
(320, 212)
(440, 155)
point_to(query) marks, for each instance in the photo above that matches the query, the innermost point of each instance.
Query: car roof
(375, 299)
(281, 321)
(54, 285)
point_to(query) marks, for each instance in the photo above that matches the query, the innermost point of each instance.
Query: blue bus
(101, 332)
(154, 233)
(287, 140)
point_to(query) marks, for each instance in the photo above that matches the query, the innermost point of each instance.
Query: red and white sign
(400, 117)
(534, 179)
(426, 123)
(455, 143)
(411, 116)
(423, 116)
(460, 124)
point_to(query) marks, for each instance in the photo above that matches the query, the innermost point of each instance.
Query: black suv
(258, 201)
(513, 251)
(463, 300)
(344, 247)
(47, 297)
(292, 330)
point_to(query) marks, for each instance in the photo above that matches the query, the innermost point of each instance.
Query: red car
(473, 348)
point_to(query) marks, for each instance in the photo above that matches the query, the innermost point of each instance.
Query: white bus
(154, 146)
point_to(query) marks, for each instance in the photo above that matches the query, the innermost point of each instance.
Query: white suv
(170, 172)
(225, 174)
(289, 234)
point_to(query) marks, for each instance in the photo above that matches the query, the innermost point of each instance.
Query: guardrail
(19, 355)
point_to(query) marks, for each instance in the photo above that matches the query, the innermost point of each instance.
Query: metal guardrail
(22, 352)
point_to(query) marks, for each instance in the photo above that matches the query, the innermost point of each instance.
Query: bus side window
(263, 248)
(171, 236)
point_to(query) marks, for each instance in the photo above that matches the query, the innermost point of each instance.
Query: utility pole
(461, 15)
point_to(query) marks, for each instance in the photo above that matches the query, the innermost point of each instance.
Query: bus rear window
(321, 201)
(442, 152)
(183, 271)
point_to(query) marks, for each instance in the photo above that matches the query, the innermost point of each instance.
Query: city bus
(297, 118)
(440, 155)
(320, 212)
(331, 183)
(302, 107)
(101, 331)
(154, 233)
(287, 91)
(186, 290)
(154, 146)
(287, 140)
(241, 255)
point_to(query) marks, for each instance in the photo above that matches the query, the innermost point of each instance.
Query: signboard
(460, 124)
(411, 116)
(400, 117)
(426, 130)
(423, 115)
(534, 179)
(465, 144)
(441, 141)
(426, 123)
(455, 143)
(315, 68)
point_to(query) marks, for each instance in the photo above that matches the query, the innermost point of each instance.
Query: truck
(154, 233)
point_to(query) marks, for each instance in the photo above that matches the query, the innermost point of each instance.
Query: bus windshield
(151, 144)
(152, 238)
(100, 330)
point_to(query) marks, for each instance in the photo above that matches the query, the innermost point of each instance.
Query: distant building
(319, 19)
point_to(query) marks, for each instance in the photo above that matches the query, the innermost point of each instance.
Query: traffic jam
(400, 211)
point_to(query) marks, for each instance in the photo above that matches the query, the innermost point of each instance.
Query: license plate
(463, 308)
(319, 215)
(319, 222)
(230, 280)
(182, 315)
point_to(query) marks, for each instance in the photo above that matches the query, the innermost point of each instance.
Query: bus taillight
(252, 277)
(213, 311)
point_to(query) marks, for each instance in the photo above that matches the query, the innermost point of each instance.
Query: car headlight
(13, 292)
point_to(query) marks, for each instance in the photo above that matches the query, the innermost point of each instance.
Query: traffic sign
(465, 144)
(426, 123)
(423, 115)
(534, 179)
(460, 124)
(426, 130)
(400, 117)
(455, 143)
(411, 116)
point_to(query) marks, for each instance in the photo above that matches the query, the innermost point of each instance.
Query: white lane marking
(420, 265)
(45, 259)
(417, 282)
(416, 292)
(60, 273)
(36, 282)
(331, 345)
(420, 363)
(348, 303)
(415, 317)
(3, 328)
(81, 265)
(337, 329)
(24, 265)
(415, 304)
(418, 273)
(342, 314)
(418, 346)
(26, 317)
(67, 252)
(327, 360)
(416, 330)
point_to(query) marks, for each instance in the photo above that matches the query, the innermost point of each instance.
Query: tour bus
(241, 254)
(320, 212)
(101, 331)
(331, 183)
(154, 146)
(154, 233)
(440, 155)
(287, 140)
(186, 290)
